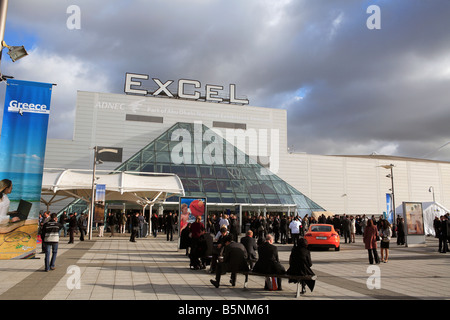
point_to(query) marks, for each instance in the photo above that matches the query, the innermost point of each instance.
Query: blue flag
(22, 152)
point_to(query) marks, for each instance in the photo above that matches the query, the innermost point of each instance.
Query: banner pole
(91, 213)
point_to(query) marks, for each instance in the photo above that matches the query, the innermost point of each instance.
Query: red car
(323, 235)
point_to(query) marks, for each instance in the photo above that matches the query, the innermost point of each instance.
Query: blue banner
(22, 151)
(389, 210)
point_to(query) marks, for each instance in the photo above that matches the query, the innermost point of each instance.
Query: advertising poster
(389, 209)
(22, 150)
(190, 209)
(413, 218)
(100, 194)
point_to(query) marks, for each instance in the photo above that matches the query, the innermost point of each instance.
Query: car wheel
(337, 248)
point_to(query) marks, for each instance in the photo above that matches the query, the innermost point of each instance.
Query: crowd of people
(217, 244)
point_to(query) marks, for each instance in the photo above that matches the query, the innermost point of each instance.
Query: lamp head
(15, 52)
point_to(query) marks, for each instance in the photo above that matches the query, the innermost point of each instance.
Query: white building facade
(339, 184)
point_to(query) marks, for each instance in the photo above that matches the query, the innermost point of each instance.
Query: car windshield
(321, 228)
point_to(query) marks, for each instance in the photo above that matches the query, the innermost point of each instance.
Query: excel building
(233, 153)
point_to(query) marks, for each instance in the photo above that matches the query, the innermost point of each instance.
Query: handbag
(271, 283)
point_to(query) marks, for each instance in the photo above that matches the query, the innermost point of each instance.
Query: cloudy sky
(347, 88)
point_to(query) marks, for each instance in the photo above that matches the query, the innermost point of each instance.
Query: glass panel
(148, 168)
(148, 156)
(221, 172)
(253, 187)
(163, 157)
(228, 198)
(206, 172)
(267, 187)
(132, 166)
(286, 199)
(213, 197)
(162, 168)
(191, 185)
(179, 170)
(239, 186)
(210, 185)
(243, 198)
(235, 173)
(224, 186)
(248, 173)
(272, 199)
(191, 172)
(257, 198)
(280, 187)
(162, 145)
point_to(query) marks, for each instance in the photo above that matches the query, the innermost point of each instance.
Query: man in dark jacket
(250, 245)
(234, 260)
(72, 226)
(50, 236)
(283, 229)
(268, 261)
(135, 226)
(112, 221)
(169, 221)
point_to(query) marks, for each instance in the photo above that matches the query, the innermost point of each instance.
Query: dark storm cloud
(347, 89)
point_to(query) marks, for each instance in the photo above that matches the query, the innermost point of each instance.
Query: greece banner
(22, 150)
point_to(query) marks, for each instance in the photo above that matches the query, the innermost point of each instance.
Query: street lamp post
(431, 189)
(391, 176)
(91, 213)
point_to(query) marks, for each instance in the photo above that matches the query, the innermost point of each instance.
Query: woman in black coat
(300, 264)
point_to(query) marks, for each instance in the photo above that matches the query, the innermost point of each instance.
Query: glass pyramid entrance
(216, 169)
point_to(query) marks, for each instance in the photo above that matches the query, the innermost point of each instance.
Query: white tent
(144, 188)
(141, 187)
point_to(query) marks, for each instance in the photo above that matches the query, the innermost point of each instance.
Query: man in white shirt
(295, 226)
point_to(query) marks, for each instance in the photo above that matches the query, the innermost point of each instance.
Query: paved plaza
(154, 269)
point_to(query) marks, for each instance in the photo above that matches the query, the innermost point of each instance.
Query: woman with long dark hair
(370, 241)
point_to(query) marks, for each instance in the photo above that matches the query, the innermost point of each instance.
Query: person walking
(283, 230)
(101, 228)
(443, 228)
(112, 221)
(400, 231)
(135, 226)
(346, 226)
(122, 222)
(295, 226)
(352, 229)
(142, 222)
(154, 221)
(72, 226)
(82, 226)
(169, 226)
(385, 235)
(50, 236)
(370, 241)
(63, 219)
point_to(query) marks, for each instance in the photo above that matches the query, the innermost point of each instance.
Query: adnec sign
(133, 86)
